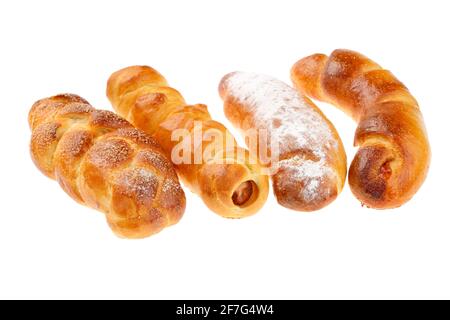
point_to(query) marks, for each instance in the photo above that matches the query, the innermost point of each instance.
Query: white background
(51, 247)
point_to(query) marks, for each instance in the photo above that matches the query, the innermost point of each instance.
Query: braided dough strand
(227, 179)
(101, 161)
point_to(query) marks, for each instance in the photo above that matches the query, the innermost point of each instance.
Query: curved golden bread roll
(310, 161)
(394, 154)
(226, 179)
(101, 161)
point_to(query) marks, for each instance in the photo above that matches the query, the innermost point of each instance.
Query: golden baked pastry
(310, 161)
(101, 161)
(228, 181)
(394, 154)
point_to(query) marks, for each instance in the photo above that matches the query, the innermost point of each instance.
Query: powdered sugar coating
(286, 114)
(139, 183)
(110, 153)
(311, 173)
(303, 136)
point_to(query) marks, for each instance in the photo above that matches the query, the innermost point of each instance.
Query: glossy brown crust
(141, 95)
(394, 153)
(101, 161)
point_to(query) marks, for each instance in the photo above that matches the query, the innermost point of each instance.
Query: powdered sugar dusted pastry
(311, 163)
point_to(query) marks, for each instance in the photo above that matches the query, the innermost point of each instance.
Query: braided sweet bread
(101, 161)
